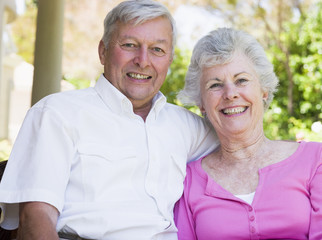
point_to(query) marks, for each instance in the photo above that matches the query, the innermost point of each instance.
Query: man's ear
(171, 59)
(101, 52)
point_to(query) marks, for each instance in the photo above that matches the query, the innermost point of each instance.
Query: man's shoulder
(66, 98)
(67, 103)
(179, 114)
(180, 111)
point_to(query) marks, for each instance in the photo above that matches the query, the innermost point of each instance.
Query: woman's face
(231, 96)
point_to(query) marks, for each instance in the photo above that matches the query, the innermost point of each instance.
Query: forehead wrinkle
(160, 41)
(126, 36)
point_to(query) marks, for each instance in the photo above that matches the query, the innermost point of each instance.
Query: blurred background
(64, 56)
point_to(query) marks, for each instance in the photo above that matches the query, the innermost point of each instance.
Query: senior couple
(109, 162)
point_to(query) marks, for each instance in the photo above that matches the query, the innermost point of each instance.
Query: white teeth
(231, 111)
(138, 76)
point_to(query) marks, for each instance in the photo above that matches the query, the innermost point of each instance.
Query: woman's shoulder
(193, 165)
(287, 145)
(283, 148)
(292, 147)
(312, 144)
(313, 148)
(307, 150)
(194, 169)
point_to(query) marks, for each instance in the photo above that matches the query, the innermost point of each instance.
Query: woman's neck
(243, 148)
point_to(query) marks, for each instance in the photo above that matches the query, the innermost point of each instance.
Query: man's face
(137, 59)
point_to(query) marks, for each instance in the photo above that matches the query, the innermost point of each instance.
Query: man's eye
(158, 51)
(128, 45)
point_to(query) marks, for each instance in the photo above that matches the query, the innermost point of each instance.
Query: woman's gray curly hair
(219, 47)
(138, 11)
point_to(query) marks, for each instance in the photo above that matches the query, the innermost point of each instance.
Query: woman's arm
(316, 203)
(182, 212)
(37, 220)
(184, 220)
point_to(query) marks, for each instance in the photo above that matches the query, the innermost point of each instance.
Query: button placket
(152, 172)
(252, 222)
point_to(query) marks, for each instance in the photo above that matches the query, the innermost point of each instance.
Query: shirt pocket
(108, 153)
(108, 172)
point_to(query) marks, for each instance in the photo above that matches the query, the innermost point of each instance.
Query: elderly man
(107, 162)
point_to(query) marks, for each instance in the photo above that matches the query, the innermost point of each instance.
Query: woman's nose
(230, 91)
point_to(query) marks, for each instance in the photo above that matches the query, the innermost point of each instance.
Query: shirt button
(250, 209)
(253, 230)
(252, 218)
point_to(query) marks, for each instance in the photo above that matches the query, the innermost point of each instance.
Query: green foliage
(301, 36)
(24, 32)
(305, 62)
(175, 79)
(78, 83)
(304, 41)
(5, 148)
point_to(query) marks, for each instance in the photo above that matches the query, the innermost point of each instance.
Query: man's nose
(142, 58)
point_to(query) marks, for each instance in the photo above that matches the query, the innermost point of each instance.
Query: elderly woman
(250, 187)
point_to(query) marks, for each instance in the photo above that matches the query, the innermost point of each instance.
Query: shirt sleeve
(204, 138)
(183, 215)
(315, 232)
(39, 165)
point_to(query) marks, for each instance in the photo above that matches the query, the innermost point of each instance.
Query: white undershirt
(247, 197)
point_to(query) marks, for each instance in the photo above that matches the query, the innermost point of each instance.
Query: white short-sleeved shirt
(110, 174)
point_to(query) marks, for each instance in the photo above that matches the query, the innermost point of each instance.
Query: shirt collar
(119, 103)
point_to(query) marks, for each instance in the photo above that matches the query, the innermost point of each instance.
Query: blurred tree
(299, 99)
(291, 33)
(176, 75)
(24, 32)
(83, 29)
(289, 30)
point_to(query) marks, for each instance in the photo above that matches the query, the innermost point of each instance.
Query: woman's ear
(202, 109)
(265, 96)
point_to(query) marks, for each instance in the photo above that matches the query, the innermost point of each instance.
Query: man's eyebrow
(162, 41)
(127, 37)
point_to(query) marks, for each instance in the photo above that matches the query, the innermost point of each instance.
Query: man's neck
(142, 110)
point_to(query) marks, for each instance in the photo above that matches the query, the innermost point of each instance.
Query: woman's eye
(241, 81)
(215, 85)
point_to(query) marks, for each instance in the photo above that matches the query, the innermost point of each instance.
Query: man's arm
(37, 220)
